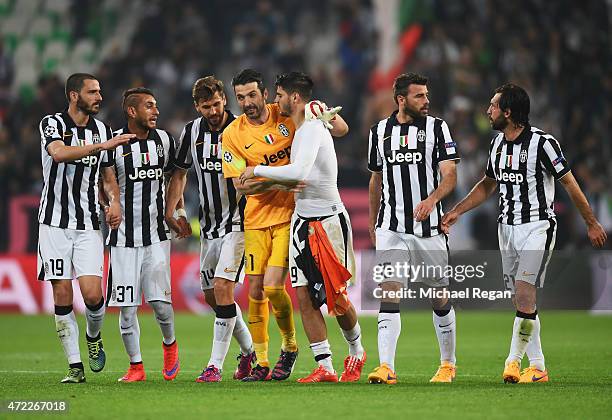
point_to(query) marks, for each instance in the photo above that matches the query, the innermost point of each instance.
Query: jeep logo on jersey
(510, 177)
(211, 166)
(281, 154)
(404, 157)
(283, 130)
(88, 160)
(146, 174)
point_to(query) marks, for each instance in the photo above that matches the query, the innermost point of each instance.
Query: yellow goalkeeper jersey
(246, 144)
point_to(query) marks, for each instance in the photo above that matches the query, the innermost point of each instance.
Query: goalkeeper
(262, 136)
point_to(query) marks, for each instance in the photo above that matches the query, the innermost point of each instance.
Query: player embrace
(321, 259)
(221, 224)
(524, 162)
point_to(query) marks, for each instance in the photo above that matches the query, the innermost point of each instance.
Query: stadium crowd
(560, 52)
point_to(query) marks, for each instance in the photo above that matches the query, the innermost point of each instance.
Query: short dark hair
(74, 83)
(515, 99)
(403, 82)
(296, 82)
(205, 88)
(249, 76)
(130, 97)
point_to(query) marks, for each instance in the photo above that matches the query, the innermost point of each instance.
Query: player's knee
(127, 317)
(256, 291)
(224, 289)
(209, 298)
(163, 311)
(62, 292)
(303, 296)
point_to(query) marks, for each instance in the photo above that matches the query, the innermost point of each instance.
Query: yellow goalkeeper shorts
(267, 247)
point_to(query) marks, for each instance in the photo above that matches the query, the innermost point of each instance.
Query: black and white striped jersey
(525, 170)
(69, 198)
(221, 210)
(408, 155)
(140, 166)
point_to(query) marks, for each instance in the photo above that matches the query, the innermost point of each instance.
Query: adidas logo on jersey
(404, 157)
(146, 174)
(510, 177)
(281, 154)
(213, 166)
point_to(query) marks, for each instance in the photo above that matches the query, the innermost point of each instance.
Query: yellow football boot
(533, 374)
(446, 373)
(382, 375)
(512, 372)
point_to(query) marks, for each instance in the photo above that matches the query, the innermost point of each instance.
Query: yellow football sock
(283, 312)
(259, 317)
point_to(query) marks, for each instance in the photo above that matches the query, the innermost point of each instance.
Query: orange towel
(335, 275)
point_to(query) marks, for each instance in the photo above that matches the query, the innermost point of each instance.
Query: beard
(214, 121)
(499, 123)
(253, 111)
(89, 109)
(285, 110)
(414, 113)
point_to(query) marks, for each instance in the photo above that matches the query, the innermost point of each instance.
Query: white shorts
(64, 254)
(140, 271)
(526, 250)
(430, 252)
(223, 258)
(340, 235)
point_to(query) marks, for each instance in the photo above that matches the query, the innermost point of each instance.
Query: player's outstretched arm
(478, 195)
(448, 170)
(174, 201)
(375, 191)
(112, 207)
(63, 153)
(597, 234)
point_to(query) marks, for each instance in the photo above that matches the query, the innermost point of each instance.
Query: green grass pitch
(578, 349)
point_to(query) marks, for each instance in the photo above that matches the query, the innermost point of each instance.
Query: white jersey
(313, 160)
(140, 166)
(69, 198)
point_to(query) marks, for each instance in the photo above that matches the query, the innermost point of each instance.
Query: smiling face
(144, 112)
(212, 110)
(89, 98)
(251, 100)
(416, 101)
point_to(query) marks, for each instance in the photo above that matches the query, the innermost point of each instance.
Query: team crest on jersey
(213, 150)
(95, 138)
(80, 142)
(160, 150)
(283, 130)
(523, 156)
(403, 141)
(227, 156)
(145, 158)
(421, 136)
(509, 161)
(50, 131)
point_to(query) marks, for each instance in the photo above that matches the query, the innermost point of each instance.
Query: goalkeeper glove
(318, 110)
